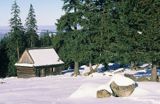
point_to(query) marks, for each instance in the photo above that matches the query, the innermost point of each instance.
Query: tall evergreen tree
(90, 24)
(140, 29)
(151, 33)
(31, 28)
(97, 24)
(16, 41)
(68, 26)
(4, 58)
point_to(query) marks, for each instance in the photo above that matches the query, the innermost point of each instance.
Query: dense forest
(90, 32)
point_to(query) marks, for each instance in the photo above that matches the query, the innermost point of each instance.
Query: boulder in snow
(122, 86)
(103, 93)
(122, 91)
(131, 76)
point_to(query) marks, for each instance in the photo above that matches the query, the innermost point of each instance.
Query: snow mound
(140, 92)
(85, 90)
(108, 73)
(105, 87)
(84, 66)
(110, 64)
(68, 74)
(100, 66)
(122, 80)
(86, 69)
(96, 74)
(118, 70)
(144, 65)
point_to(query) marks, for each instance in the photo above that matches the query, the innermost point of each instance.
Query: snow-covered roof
(42, 57)
(24, 64)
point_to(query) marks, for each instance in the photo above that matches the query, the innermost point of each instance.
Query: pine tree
(4, 58)
(141, 32)
(98, 26)
(16, 41)
(31, 28)
(91, 23)
(68, 26)
(151, 34)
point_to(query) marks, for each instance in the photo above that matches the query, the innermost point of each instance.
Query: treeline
(103, 31)
(18, 39)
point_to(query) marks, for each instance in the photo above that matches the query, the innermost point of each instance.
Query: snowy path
(57, 90)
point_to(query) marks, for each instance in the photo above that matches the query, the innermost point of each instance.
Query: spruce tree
(4, 58)
(91, 25)
(16, 43)
(31, 28)
(151, 34)
(68, 26)
(140, 30)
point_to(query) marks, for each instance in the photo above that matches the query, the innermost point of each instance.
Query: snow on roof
(42, 57)
(24, 64)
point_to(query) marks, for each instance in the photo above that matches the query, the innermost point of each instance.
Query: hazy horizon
(6, 29)
(47, 11)
(40, 27)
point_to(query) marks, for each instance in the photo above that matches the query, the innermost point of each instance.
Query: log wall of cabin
(48, 70)
(25, 72)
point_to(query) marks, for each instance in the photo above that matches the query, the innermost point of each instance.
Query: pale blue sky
(47, 11)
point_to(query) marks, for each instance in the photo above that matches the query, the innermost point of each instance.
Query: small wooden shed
(39, 63)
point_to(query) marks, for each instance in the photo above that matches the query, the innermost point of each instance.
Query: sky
(47, 11)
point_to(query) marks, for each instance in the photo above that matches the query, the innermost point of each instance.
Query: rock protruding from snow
(103, 93)
(122, 86)
(122, 91)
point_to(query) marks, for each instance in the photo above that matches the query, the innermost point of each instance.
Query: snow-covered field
(63, 89)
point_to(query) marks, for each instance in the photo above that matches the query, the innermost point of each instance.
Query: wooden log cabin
(39, 63)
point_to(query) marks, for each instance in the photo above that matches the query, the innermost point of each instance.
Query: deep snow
(63, 89)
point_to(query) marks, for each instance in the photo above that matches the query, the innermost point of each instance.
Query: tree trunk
(94, 70)
(76, 68)
(154, 76)
(17, 51)
(31, 45)
(133, 65)
(90, 66)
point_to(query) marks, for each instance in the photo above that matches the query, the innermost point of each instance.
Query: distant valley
(6, 29)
